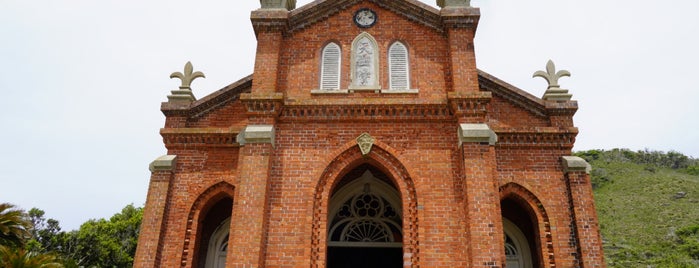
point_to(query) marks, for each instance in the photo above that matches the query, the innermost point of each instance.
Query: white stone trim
(330, 67)
(326, 91)
(163, 163)
(476, 133)
(574, 163)
(374, 83)
(257, 134)
(398, 66)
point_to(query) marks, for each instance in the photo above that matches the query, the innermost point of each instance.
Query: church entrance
(365, 221)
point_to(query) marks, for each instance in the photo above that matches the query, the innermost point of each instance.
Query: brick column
(249, 219)
(482, 208)
(460, 23)
(152, 227)
(584, 214)
(269, 24)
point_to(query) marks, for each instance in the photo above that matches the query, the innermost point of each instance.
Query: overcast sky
(82, 82)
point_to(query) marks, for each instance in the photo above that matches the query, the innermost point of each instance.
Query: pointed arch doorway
(365, 221)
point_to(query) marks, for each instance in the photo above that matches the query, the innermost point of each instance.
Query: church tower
(367, 137)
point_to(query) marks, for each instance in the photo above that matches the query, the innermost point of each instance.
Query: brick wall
(451, 192)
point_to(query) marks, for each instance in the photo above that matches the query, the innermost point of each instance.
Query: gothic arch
(336, 169)
(532, 206)
(205, 201)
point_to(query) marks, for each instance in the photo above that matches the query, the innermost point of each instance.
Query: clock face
(365, 18)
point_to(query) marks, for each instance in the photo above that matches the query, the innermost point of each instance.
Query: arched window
(365, 63)
(517, 251)
(330, 67)
(365, 222)
(398, 67)
(218, 246)
(213, 232)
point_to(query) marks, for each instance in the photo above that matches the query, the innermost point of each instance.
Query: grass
(640, 208)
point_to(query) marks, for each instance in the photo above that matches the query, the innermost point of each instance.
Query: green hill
(648, 207)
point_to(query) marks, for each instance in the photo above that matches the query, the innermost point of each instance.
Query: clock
(365, 18)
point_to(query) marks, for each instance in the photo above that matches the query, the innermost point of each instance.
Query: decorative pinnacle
(184, 94)
(554, 91)
(188, 76)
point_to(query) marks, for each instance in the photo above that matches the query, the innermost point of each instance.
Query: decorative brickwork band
(163, 163)
(479, 133)
(257, 134)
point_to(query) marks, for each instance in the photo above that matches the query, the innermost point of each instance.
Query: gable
(320, 10)
(327, 22)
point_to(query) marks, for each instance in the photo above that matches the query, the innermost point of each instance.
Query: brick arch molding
(529, 201)
(204, 200)
(383, 158)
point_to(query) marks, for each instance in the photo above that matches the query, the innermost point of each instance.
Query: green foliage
(16, 257)
(107, 243)
(693, 170)
(688, 239)
(14, 226)
(98, 243)
(642, 198)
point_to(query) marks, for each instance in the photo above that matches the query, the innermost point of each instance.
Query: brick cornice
(373, 112)
(537, 137)
(198, 137)
(469, 104)
(561, 108)
(263, 104)
(460, 17)
(269, 20)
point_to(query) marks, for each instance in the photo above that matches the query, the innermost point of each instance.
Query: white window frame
(324, 77)
(393, 67)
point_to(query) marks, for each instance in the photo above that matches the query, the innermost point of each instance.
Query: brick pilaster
(483, 215)
(460, 25)
(269, 25)
(148, 252)
(584, 213)
(249, 225)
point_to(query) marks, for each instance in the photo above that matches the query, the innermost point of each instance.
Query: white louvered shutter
(398, 67)
(330, 68)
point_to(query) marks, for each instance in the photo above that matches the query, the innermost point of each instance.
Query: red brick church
(367, 137)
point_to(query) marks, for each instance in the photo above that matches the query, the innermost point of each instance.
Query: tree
(14, 226)
(22, 258)
(108, 243)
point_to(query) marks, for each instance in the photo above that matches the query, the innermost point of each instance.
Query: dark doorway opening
(361, 257)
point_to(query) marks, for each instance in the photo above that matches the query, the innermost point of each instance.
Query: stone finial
(184, 93)
(453, 3)
(278, 4)
(365, 141)
(554, 91)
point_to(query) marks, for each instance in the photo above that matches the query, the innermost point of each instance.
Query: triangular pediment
(319, 10)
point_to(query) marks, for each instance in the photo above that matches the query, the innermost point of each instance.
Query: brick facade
(455, 186)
